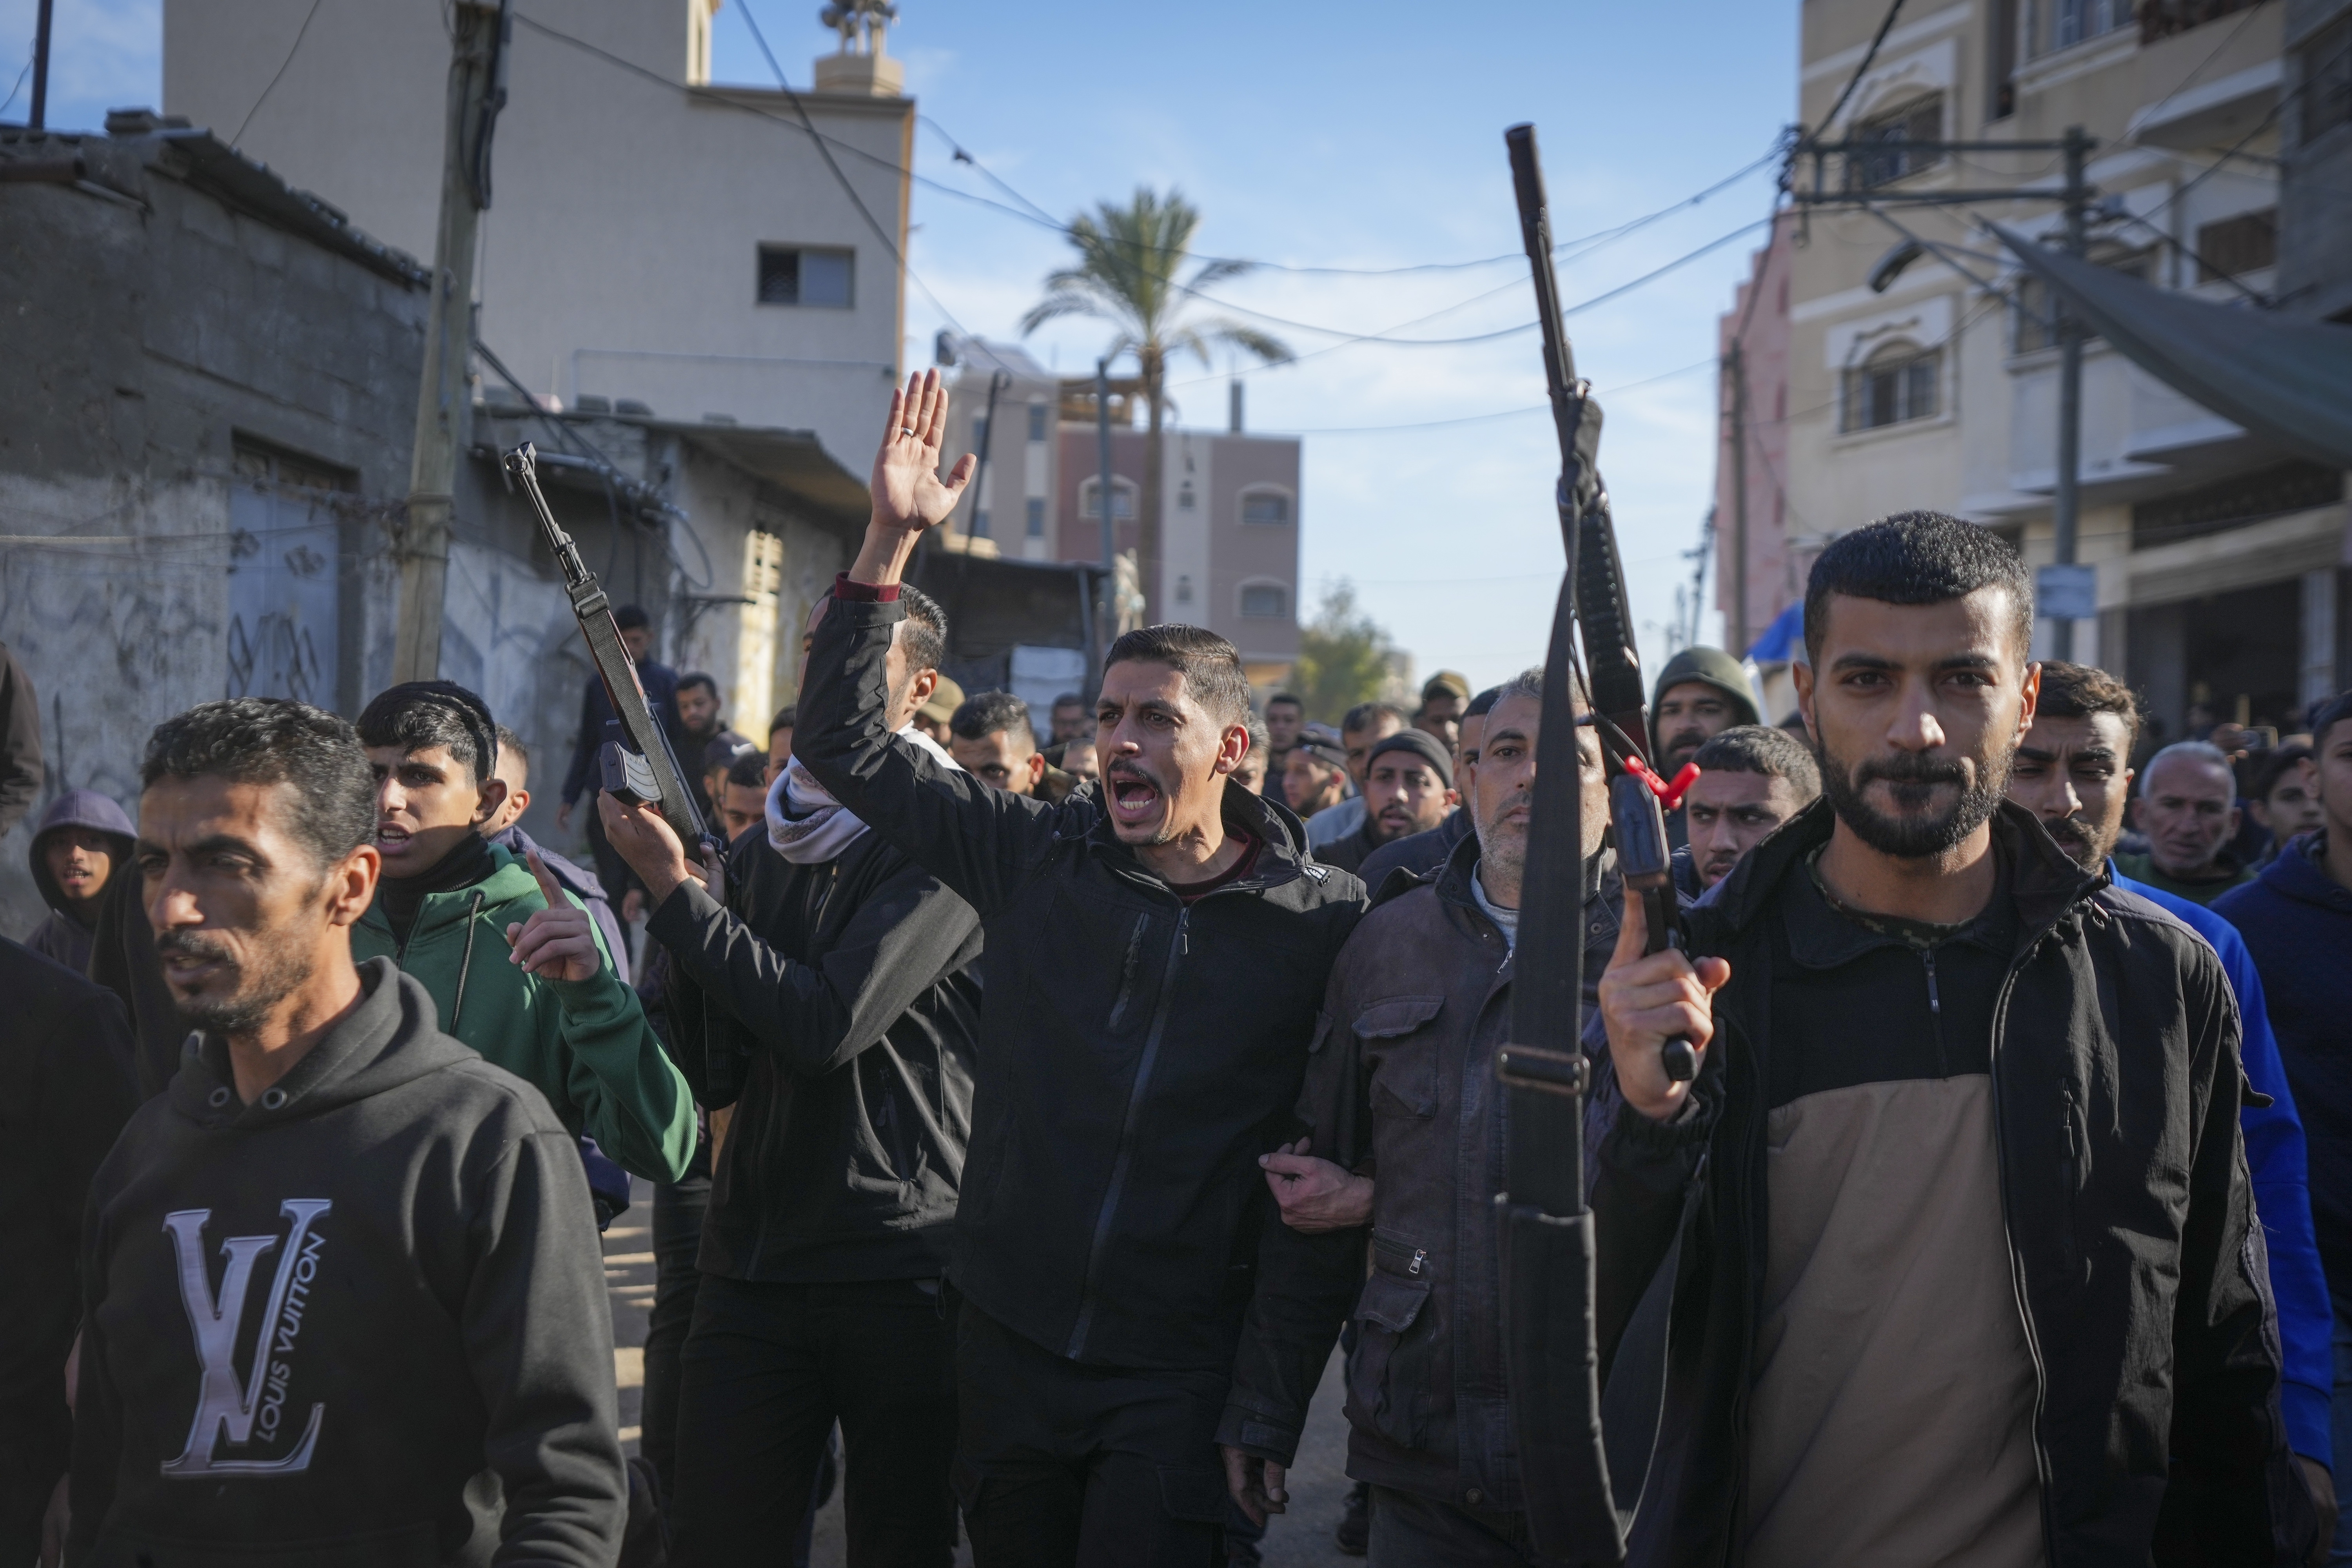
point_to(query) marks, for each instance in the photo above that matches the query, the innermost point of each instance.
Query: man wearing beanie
(1701, 692)
(513, 962)
(1408, 789)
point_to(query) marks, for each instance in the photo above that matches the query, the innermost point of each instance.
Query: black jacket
(405, 1228)
(848, 988)
(2125, 1198)
(1402, 1087)
(1137, 1055)
(65, 1048)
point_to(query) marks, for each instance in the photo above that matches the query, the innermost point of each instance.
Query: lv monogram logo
(228, 1408)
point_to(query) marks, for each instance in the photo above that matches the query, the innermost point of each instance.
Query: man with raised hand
(1971, 1272)
(1157, 950)
(515, 963)
(342, 1298)
(2073, 771)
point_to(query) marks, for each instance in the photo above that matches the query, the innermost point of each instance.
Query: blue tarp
(1783, 641)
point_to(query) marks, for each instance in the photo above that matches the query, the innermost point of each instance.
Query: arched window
(1265, 599)
(1264, 504)
(1122, 499)
(1899, 382)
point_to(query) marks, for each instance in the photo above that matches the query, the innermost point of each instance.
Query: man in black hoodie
(344, 1303)
(836, 983)
(1157, 950)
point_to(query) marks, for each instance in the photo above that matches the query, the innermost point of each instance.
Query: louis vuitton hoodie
(360, 1322)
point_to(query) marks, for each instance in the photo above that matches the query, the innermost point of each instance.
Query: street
(1318, 1486)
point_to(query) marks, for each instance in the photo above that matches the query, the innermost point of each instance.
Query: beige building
(2219, 557)
(651, 237)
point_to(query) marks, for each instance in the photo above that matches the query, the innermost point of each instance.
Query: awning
(2282, 377)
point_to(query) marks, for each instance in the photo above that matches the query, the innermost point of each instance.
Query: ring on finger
(906, 429)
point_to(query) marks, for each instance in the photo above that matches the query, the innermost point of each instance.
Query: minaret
(861, 66)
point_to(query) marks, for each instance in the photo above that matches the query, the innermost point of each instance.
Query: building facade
(651, 237)
(1229, 508)
(2220, 557)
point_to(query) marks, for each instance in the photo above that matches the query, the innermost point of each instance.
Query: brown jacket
(1400, 1085)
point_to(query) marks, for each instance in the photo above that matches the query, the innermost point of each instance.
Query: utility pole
(2065, 507)
(476, 64)
(40, 115)
(1737, 366)
(1105, 618)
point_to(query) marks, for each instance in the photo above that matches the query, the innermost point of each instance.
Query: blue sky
(1365, 134)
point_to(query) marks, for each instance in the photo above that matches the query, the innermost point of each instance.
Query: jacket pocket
(1404, 1079)
(1381, 1395)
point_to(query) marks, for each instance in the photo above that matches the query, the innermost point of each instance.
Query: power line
(1862, 66)
(306, 18)
(1494, 414)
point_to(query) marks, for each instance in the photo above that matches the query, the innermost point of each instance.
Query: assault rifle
(1583, 1458)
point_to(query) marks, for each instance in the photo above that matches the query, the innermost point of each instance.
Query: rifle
(644, 770)
(1570, 1447)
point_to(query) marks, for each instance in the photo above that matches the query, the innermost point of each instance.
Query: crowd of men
(1032, 1108)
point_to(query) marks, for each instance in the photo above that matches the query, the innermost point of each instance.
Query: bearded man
(1969, 1269)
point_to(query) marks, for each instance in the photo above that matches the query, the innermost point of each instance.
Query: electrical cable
(13, 92)
(1480, 418)
(308, 17)
(1885, 27)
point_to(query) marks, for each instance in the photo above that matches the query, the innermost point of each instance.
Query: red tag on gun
(1670, 795)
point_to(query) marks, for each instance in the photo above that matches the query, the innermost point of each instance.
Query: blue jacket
(2276, 1156)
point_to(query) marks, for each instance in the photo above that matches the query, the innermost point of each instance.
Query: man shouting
(1972, 1274)
(1157, 950)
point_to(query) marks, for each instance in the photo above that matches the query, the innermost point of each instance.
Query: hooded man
(450, 905)
(344, 1301)
(82, 843)
(1157, 948)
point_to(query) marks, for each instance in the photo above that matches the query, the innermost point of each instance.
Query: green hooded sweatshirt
(584, 1044)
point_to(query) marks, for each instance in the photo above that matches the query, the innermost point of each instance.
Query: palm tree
(1127, 261)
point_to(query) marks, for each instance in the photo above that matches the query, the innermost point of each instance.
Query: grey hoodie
(405, 1229)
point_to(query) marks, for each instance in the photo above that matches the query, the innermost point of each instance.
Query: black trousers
(678, 1208)
(36, 1444)
(1059, 1463)
(1409, 1531)
(766, 1372)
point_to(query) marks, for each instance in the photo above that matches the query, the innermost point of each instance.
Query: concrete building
(1230, 507)
(2314, 242)
(203, 475)
(653, 236)
(2219, 556)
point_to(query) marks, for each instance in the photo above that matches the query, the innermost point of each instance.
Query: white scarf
(807, 826)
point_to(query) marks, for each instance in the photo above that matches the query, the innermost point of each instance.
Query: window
(2036, 316)
(2062, 23)
(1185, 499)
(2162, 18)
(2001, 60)
(1266, 506)
(1265, 599)
(2236, 246)
(791, 276)
(1036, 518)
(1184, 590)
(1898, 384)
(1036, 422)
(1920, 121)
(2326, 63)
(1122, 501)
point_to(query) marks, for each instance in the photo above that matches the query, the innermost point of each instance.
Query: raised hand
(557, 942)
(1647, 999)
(909, 493)
(646, 842)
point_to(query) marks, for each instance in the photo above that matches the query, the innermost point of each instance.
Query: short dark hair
(990, 713)
(2332, 712)
(788, 717)
(750, 770)
(1918, 558)
(1261, 738)
(2274, 764)
(1772, 753)
(629, 617)
(700, 677)
(1364, 715)
(926, 632)
(1290, 697)
(1211, 666)
(1070, 700)
(1483, 703)
(2079, 690)
(511, 743)
(276, 740)
(417, 715)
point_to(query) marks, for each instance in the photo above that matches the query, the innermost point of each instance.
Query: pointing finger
(548, 887)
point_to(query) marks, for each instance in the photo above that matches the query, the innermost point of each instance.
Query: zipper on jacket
(1415, 1258)
(1127, 971)
(1936, 1011)
(1124, 1155)
(2074, 1166)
